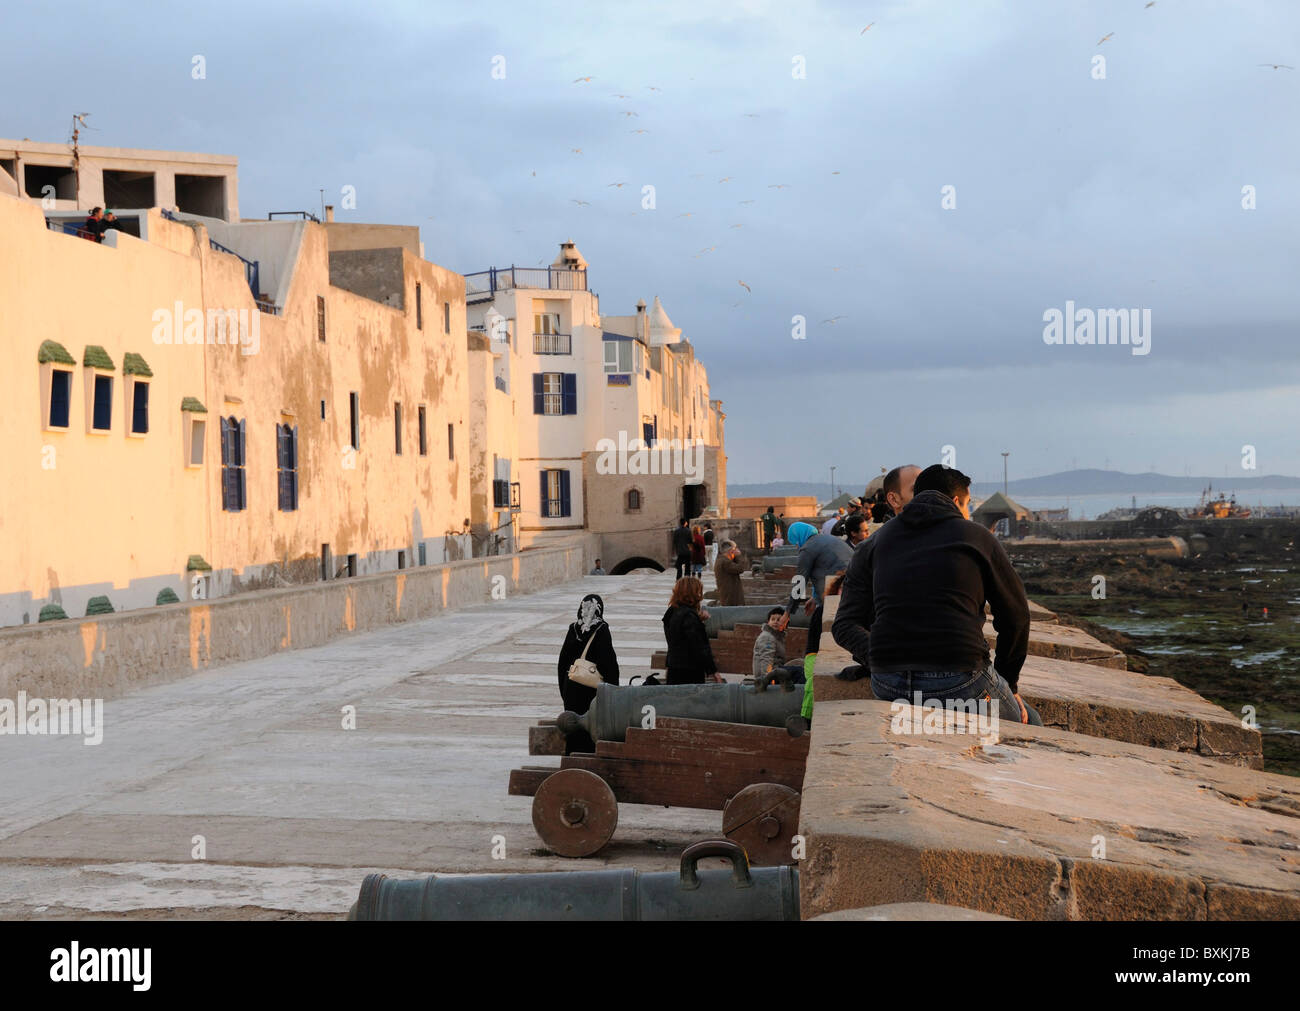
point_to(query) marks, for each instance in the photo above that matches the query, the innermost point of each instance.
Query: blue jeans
(943, 685)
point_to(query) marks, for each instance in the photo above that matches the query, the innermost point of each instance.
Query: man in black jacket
(682, 548)
(912, 605)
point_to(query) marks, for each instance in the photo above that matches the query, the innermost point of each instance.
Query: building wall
(85, 514)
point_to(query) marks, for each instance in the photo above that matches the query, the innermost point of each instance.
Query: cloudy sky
(1122, 191)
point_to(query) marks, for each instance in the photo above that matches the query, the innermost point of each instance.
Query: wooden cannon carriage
(753, 774)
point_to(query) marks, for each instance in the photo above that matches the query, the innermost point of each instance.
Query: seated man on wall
(912, 605)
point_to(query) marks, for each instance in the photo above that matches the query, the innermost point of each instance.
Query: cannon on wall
(752, 773)
(741, 893)
(726, 618)
(616, 708)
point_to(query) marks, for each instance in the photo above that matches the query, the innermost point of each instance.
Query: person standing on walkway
(768, 519)
(710, 545)
(727, 571)
(682, 549)
(589, 633)
(690, 659)
(699, 552)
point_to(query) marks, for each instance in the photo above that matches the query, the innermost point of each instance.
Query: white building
(573, 383)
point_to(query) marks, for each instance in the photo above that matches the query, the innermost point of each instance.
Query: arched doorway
(635, 562)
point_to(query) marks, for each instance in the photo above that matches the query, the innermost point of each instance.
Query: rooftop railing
(484, 284)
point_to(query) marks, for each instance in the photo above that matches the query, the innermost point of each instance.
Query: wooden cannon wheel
(575, 812)
(763, 818)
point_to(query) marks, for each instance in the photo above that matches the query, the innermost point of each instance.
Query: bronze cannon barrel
(726, 618)
(616, 708)
(741, 893)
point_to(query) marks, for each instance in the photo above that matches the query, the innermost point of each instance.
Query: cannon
(742, 893)
(773, 562)
(753, 774)
(726, 618)
(617, 708)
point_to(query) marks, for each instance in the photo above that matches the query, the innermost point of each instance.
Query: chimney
(329, 212)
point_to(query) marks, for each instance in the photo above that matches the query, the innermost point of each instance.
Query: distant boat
(1221, 508)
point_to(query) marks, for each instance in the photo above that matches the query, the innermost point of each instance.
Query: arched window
(634, 500)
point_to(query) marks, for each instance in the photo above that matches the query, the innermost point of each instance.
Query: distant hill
(1070, 482)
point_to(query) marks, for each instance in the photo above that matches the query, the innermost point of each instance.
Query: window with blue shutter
(234, 489)
(570, 395)
(102, 413)
(564, 493)
(287, 466)
(60, 398)
(545, 493)
(139, 407)
(538, 406)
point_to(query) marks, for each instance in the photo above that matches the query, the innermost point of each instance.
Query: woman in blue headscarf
(820, 556)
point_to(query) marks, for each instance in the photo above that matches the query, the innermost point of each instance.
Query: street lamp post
(832, 483)
(1004, 472)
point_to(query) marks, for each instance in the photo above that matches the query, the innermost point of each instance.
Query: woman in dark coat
(698, 552)
(690, 660)
(590, 626)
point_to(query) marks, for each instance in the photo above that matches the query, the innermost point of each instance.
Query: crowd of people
(913, 573)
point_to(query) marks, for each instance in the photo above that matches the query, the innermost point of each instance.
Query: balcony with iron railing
(552, 344)
(481, 286)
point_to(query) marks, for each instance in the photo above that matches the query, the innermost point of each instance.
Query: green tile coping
(197, 562)
(98, 605)
(134, 365)
(97, 358)
(52, 612)
(53, 351)
(193, 404)
(167, 596)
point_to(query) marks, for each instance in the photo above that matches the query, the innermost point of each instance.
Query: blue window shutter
(140, 408)
(545, 506)
(538, 407)
(570, 393)
(564, 493)
(241, 445)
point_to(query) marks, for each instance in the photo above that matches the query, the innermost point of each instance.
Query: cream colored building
(216, 406)
(573, 383)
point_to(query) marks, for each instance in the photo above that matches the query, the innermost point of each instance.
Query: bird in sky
(834, 173)
(534, 171)
(746, 287)
(1277, 66)
(746, 201)
(580, 203)
(581, 80)
(653, 88)
(638, 131)
(619, 185)
(833, 319)
(725, 179)
(576, 150)
(622, 96)
(1105, 37)
(716, 150)
(737, 226)
(778, 186)
(629, 112)
(1151, 4)
(686, 215)
(751, 115)
(865, 30)
(710, 249)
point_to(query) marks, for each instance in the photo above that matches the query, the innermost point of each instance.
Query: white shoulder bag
(583, 671)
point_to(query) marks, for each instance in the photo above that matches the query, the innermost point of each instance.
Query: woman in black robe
(590, 626)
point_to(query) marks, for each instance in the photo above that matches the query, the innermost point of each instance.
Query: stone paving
(293, 809)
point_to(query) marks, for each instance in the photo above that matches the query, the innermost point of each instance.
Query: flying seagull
(1277, 66)
(833, 319)
(1151, 4)
(629, 112)
(581, 80)
(778, 186)
(725, 179)
(638, 131)
(746, 287)
(580, 203)
(576, 150)
(622, 96)
(619, 185)
(653, 88)
(1105, 37)
(737, 226)
(865, 30)
(686, 215)
(746, 201)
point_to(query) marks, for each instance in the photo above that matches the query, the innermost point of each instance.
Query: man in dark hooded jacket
(912, 605)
